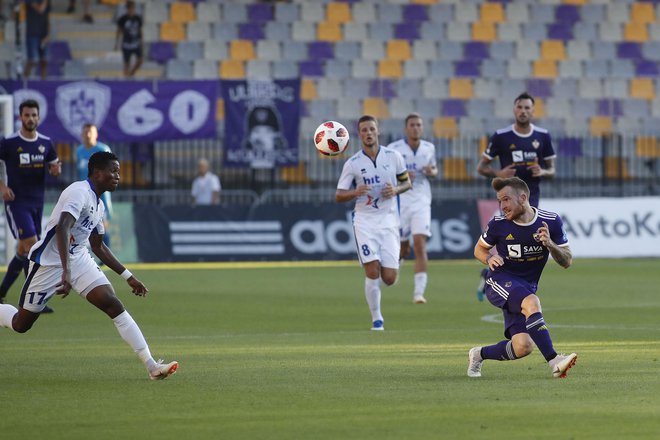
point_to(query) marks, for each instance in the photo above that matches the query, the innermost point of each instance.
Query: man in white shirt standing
(373, 177)
(206, 186)
(420, 159)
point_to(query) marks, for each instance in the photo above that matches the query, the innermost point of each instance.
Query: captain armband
(402, 177)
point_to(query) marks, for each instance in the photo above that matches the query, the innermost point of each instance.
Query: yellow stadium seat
(545, 69)
(445, 127)
(616, 168)
(575, 2)
(219, 109)
(131, 173)
(539, 108)
(64, 151)
(241, 50)
(455, 168)
(461, 88)
(170, 31)
(647, 146)
(296, 174)
(637, 32)
(338, 13)
(308, 90)
(642, 13)
(424, 2)
(376, 107)
(398, 50)
(181, 12)
(553, 50)
(484, 32)
(492, 13)
(21, 12)
(232, 69)
(329, 31)
(483, 144)
(642, 88)
(600, 125)
(390, 69)
(112, 2)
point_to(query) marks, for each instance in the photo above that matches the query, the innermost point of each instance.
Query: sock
(372, 293)
(540, 335)
(502, 351)
(16, 265)
(420, 283)
(7, 312)
(130, 332)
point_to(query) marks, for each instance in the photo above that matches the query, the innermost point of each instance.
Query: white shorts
(378, 244)
(42, 282)
(415, 220)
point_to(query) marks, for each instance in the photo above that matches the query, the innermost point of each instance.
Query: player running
(373, 177)
(415, 204)
(60, 262)
(524, 236)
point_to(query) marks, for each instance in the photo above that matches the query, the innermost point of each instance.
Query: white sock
(131, 333)
(7, 312)
(372, 293)
(420, 283)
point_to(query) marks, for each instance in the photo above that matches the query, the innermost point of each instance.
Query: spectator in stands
(37, 30)
(87, 13)
(89, 146)
(129, 33)
(206, 186)
(525, 151)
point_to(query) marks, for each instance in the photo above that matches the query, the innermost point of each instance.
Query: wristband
(126, 274)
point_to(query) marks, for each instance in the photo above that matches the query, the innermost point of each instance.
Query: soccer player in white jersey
(374, 177)
(60, 262)
(419, 156)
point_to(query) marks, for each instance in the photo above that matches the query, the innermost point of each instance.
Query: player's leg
(390, 249)
(420, 227)
(368, 253)
(23, 228)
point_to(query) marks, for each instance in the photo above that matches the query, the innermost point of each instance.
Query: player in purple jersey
(524, 150)
(524, 236)
(24, 158)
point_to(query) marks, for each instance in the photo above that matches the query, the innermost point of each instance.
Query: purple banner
(261, 122)
(123, 110)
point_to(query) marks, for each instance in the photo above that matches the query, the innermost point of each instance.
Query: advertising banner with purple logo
(130, 111)
(261, 122)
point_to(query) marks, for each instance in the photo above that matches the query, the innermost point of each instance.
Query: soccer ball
(331, 138)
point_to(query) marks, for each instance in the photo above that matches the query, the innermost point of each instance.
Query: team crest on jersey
(41, 149)
(83, 102)
(536, 144)
(508, 284)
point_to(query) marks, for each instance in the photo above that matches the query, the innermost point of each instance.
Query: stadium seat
(610, 32)
(224, 31)
(308, 90)
(642, 13)
(617, 12)
(458, 32)
(647, 146)
(284, 69)
(303, 31)
(398, 50)
(196, 31)
(519, 69)
(642, 88)
(389, 14)
(455, 168)
(328, 88)
(232, 69)
(178, 69)
(234, 12)
(270, 50)
(616, 168)
(389, 69)
(553, 50)
(338, 12)
(241, 50)
(294, 51)
(378, 32)
(407, 31)
(251, 31)
(570, 69)
(205, 69)
(401, 107)
(484, 31)
(527, 51)
(493, 69)
(516, 12)
(208, 12)
(155, 12)
(171, 31)
(329, 31)
(466, 12)
(424, 50)
(453, 108)
(460, 88)
(445, 127)
(414, 13)
(363, 69)
(636, 32)
(415, 69)
(372, 50)
(295, 174)
(491, 13)
(258, 69)
(486, 87)
(363, 12)
(274, 30)
(182, 12)
(311, 68)
(355, 32)
(432, 31)
(260, 12)
(545, 69)
(508, 32)
(189, 50)
(600, 125)
(338, 69)
(286, 12)
(349, 108)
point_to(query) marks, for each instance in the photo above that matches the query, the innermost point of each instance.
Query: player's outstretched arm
(108, 258)
(561, 254)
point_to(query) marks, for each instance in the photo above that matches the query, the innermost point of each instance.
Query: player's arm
(482, 253)
(62, 234)
(55, 168)
(561, 254)
(108, 258)
(430, 170)
(346, 195)
(485, 169)
(7, 193)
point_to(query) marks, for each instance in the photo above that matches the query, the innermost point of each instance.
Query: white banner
(610, 227)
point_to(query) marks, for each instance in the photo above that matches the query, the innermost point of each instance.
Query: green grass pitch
(285, 352)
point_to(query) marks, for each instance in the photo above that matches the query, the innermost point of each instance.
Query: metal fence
(587, 166)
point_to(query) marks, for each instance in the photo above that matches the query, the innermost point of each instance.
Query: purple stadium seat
(560, 31)
(260, 12)
(541, 88)
(311, 68)
(570, 146)
(467, 68)
(454, 108)
(415, 13)
(407, 31)
(609, 107)
(629, 50)
(567, 14)
(320, 50)
(251, 31)
(382, 88)
(646, 68)
(476, 50)
(161, 51)
(59, 50)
